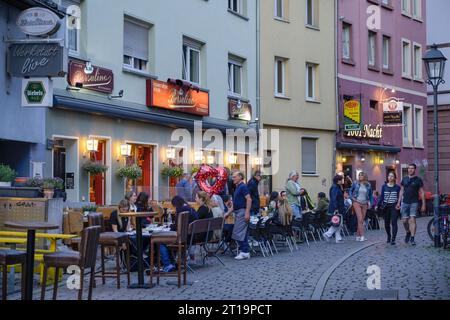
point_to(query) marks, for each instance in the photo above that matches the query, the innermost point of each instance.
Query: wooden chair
(84, 259)
(10, 258)
(111, 240)
(175, 241)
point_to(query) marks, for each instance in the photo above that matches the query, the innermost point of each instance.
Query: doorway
(97, 182)
(142, 156)
(59, 163)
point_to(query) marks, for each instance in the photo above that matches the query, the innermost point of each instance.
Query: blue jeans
(165, 255)
(296, 211)
(243, 245)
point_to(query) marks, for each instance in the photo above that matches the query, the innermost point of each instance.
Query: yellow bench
(11, 237)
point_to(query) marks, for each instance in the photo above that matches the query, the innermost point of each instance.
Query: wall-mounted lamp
(170, 153)
(258, 161)
(110, 97)
(363, 159)
(210, 159)
(92, 145)
(198, 156)
(232, 159)
(125, 150)
(344, 159)
(78, 86)
(381, 161)
(397, 162)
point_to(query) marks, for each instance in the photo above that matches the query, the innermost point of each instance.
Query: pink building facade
(380, 48)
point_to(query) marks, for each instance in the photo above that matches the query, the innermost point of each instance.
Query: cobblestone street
(413, 273)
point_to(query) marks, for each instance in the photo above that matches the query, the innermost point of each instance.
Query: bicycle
(444, 222)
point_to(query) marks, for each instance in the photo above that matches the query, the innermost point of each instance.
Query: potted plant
(7, 175)
(172, 172)
(94, 168)
(89, 209)
(130, 173)
(48, 188)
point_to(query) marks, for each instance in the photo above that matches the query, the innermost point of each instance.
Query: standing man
(252, 186)
(242, 203)
(408, 202)
(183, 187)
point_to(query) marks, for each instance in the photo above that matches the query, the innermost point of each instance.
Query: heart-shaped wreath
(206, 173)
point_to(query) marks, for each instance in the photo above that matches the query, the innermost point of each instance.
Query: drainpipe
(258, 67)
(336, 59)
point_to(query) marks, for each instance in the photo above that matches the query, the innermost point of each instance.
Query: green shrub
(7, 174)
(94, 168)
(130, 172)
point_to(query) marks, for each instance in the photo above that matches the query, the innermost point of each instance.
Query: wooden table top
(138, 214)
(31, 225)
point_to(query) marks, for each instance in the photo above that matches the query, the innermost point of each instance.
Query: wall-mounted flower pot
(49, 193)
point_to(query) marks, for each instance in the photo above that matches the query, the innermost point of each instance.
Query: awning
(97, 105)
(365, 147)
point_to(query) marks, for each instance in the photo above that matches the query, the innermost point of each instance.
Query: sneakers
(361, 239)
(408, 237)
(169, 268)
(358, 239)
(242, 256)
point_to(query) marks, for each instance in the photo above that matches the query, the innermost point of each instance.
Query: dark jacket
(252, 186)
(193, 215)
(336, 200)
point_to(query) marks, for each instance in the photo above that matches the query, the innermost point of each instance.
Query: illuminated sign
(367, 132)
(352, 115)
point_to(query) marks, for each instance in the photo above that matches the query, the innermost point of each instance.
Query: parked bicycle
(443, 223)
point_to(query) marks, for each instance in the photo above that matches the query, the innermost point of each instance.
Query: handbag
(336, 219)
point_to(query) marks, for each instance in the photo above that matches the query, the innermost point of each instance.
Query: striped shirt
(389, 195)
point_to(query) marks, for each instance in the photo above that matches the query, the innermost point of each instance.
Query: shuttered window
(136, 38)
(309, 156)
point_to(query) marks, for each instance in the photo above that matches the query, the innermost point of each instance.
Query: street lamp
(435, 65)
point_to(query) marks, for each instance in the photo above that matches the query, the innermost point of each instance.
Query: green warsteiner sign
(35, 92)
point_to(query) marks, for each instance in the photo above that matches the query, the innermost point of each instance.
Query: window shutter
(136, 40)
(309, 156)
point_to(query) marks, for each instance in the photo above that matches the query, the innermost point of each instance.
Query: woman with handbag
(388, 202)
(336, 209)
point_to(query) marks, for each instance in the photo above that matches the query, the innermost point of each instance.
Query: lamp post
(435, 66)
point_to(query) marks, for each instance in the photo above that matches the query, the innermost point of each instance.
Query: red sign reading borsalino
(174, 97)
(101, 79)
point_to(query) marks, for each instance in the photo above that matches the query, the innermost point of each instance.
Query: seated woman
(273, 203)
(180, 205)
(143, 206)
(229, 219)
(156, 208)
(122, 224)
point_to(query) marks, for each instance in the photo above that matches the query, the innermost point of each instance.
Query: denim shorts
(409, 210)
(296, 211)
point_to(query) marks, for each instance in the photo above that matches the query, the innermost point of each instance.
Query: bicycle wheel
(431, 229)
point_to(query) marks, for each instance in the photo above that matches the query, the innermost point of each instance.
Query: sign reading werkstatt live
(37, 92)
(352, 115)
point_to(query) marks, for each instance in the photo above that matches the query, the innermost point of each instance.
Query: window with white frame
(386, 52)
(417, 61)
(235, 6)
(136, 44)
(407, 126)
(235, 75)
(417, 9)
(191, 60)
(418, 126)
(312, 13)
(406, 58)
(372, 49)
(279, 9)
(309, 156)
(406, 7)
(346, 41)
(73, 25)
(311, 77)
(280, 76)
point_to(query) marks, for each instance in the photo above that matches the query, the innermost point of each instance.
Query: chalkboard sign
(70, 181)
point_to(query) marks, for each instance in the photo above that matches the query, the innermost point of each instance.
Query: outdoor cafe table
(140, 254)
(31, 227)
